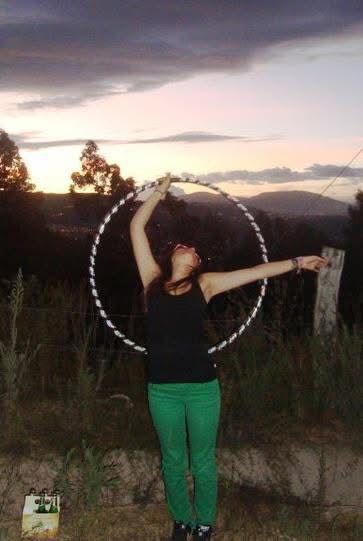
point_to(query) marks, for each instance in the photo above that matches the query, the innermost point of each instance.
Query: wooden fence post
(325, 313)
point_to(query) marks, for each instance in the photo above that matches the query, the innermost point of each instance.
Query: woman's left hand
(314, 262)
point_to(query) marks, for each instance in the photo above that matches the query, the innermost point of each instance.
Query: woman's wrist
(297, 263)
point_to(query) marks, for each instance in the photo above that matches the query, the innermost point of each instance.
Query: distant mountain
(299, 202)
(327, 214)
(292, 203)
(285, 203)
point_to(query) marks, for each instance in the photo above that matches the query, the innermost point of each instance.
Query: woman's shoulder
(154, 287)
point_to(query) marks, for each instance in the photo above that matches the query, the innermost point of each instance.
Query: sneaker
(181, 531)
(202, 532)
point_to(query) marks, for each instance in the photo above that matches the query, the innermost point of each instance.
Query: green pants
(175, 407)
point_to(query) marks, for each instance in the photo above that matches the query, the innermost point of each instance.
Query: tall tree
(97, 173)
(95, 170)
(105, 179)
(14, 175)
(352, 289)
(22, 222)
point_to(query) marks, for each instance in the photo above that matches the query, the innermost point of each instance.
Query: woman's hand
(164, 185)
(313, 262)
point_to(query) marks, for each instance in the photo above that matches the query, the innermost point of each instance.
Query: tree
(14, 175)
(106, 179)
(354, 230)
(119, 187)
(352, 290)
(22, 221)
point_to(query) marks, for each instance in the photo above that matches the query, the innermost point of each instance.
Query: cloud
(22, 140)
(280, 175)
(38, 145)
(66, 100)
(202, 137)
(71, 52)
(274, 175)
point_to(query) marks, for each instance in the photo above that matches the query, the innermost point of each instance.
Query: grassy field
(75, 388)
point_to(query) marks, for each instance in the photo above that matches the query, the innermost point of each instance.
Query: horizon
(210, 192)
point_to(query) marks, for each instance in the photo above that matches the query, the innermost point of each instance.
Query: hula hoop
(116, 208)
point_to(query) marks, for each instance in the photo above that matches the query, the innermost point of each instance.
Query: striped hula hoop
(116, 208)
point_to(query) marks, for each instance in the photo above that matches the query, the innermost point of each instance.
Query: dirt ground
(242, 514)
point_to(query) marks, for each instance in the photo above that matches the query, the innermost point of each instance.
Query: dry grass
(273, 387)
(243, 514)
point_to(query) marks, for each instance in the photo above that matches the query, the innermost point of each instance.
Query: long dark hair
(166, 266)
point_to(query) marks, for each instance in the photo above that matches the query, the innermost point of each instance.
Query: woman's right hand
(164, 185)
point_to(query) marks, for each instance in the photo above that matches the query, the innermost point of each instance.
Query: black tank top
(177, 340)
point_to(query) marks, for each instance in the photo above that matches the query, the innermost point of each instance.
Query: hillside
(292, 203)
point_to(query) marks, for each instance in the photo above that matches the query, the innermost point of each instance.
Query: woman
(182, 384)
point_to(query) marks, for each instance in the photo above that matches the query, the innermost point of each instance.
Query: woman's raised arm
(147, 266)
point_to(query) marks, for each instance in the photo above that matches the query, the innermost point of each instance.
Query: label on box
(42, 525)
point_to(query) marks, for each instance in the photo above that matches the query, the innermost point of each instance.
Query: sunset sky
(255, 96)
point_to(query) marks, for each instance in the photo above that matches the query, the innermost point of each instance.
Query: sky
(250, 96)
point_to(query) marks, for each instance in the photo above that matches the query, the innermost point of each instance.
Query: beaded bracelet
(297, 262)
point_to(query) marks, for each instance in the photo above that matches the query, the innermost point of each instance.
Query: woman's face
(186, 254)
